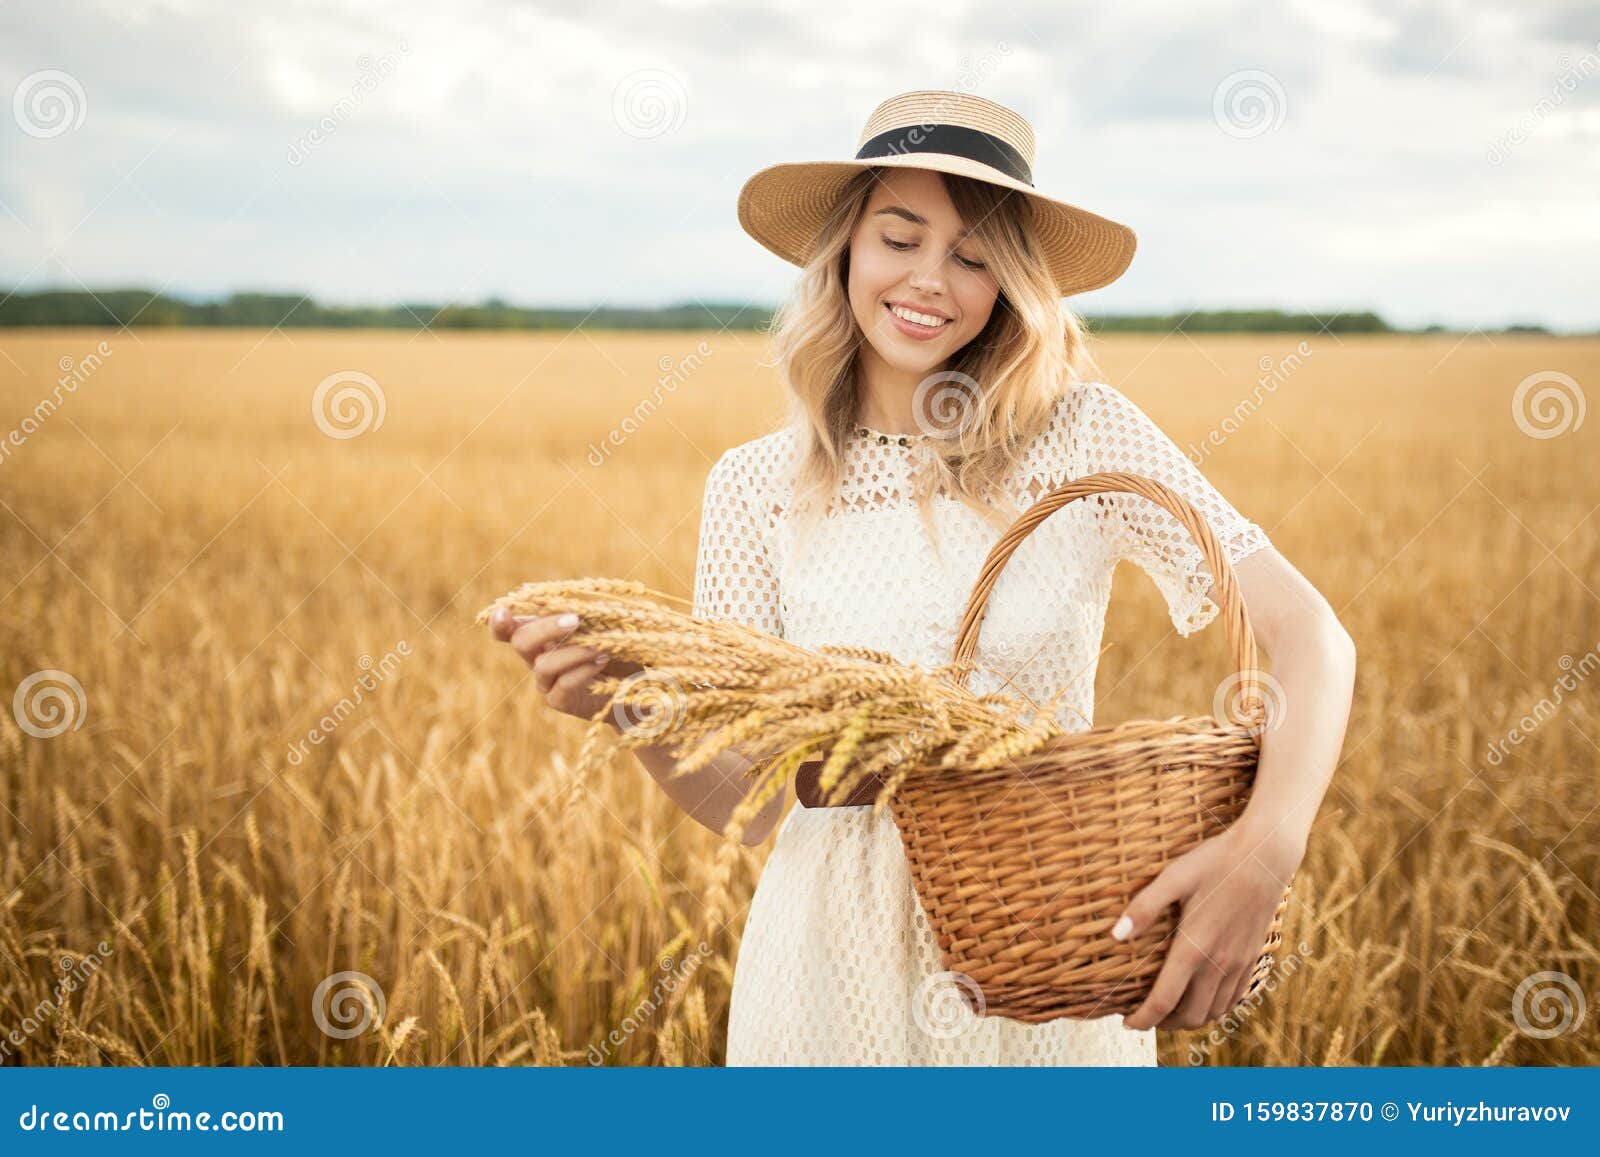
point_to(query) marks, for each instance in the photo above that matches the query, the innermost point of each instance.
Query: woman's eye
(902, 246)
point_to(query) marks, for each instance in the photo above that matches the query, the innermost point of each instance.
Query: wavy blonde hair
(1003, 384)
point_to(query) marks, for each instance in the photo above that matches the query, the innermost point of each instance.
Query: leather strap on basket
(1241, 638)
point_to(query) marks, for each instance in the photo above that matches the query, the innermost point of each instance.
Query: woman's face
(908, 250)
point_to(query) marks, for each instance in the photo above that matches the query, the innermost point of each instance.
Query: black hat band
(956, 140)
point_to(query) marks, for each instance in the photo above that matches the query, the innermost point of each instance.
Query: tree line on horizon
(142, 307)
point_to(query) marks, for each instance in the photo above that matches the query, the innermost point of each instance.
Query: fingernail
(567, 620)
(601, 660)
(1121, 928)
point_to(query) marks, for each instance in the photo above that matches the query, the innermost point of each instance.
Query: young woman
(938, 387)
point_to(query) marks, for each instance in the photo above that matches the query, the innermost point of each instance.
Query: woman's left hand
(1228, 888)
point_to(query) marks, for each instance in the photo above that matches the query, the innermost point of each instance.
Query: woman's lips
(911, 329)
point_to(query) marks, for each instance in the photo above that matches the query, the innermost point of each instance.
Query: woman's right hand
(563, 673)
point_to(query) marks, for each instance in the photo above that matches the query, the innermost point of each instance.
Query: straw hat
(783, 206)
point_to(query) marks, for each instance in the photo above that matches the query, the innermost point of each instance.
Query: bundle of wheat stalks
(710, 685)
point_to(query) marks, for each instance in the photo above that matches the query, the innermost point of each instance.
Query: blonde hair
(1010, 375)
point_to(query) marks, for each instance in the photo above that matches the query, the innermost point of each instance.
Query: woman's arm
(711, 794)
(1229, 886)
(1314, 663)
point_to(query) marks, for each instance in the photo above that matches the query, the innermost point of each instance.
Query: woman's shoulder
(1049, 453)
(1080, 398)
(760, 463)
(1086, 414)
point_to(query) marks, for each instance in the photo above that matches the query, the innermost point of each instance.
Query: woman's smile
(915, 329)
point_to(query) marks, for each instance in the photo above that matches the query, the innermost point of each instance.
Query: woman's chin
(918, 360)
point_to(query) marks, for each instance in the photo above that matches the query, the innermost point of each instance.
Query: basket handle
(1241, 638)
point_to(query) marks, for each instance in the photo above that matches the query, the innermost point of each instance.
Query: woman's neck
(887, 396)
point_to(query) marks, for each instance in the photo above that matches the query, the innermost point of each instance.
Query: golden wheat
(724, 683)
(210, 567)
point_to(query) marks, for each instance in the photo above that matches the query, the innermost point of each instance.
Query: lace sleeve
(1121, 436)
(733, 576)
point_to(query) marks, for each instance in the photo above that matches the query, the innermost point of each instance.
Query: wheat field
(269, 797)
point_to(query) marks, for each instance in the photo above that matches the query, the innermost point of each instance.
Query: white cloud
(490, 159)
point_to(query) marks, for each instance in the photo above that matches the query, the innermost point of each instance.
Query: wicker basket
(1024, 868)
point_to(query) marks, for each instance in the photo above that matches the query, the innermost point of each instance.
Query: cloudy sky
(1432, 161)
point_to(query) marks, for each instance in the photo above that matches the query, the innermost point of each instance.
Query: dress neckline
(886, 439)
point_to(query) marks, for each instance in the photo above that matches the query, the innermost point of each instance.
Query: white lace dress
(838, 964)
